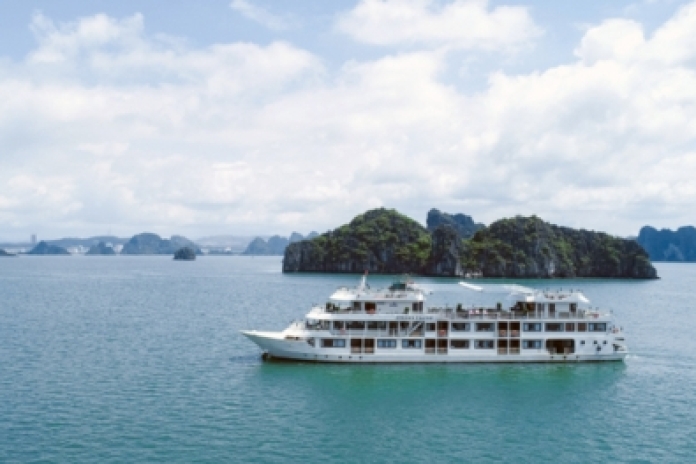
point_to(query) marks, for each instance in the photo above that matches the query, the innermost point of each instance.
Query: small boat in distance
(393, 325)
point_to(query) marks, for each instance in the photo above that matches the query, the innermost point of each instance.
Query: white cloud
(260, 15)
(104, 127)
(466, 24)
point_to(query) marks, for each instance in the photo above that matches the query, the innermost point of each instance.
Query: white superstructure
(393, 325)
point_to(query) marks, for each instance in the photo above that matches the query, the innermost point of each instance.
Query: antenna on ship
(363, 281)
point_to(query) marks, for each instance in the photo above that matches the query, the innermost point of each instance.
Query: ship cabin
(395, 318)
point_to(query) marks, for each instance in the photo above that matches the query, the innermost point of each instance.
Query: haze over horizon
(266, 117)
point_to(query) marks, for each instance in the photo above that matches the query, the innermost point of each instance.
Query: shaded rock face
(100, 248)
(43, 248)
(668, 245)
(384, 241)
(445, 253)
(185, 254)
(464, 225)
(153, 244)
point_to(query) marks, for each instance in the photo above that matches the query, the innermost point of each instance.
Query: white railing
(484, 314)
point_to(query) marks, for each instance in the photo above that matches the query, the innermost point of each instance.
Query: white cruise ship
(393, 325)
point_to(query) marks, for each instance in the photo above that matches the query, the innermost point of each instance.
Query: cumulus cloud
(466, 24)
(105, 127)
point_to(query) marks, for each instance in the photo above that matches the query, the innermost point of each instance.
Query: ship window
(339, 325)
(582, 326)
(484, 344)
(484, 327)
(333, 343)
(370, 307)
(582, 342)
(356, 325)
(461, 327)
(377, 325)
(412, 343)
(531, 344)
(459, 344)
(430, 327)
(386, 343)
(598, 327)
(570, 327)
(554, 327)
(535, 327)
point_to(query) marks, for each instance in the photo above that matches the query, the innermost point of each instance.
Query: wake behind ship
(361, 325)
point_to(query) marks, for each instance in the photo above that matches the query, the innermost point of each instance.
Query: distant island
(101, 248)
(185, 254)
(385, 241)
(669, 245)
(4, 253)
(152, 244)
(275, 245)
(44, 248)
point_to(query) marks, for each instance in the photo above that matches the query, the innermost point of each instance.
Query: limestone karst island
(385, 241)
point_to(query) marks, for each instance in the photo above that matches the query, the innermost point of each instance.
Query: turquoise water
(139, 359)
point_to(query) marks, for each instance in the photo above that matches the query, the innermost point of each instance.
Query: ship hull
(275, 345)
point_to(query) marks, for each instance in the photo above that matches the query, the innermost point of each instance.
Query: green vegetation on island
(379, 241)
(385, 241)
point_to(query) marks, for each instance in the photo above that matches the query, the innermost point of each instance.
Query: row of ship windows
(418, 344)
(484, 326)
(531, 327)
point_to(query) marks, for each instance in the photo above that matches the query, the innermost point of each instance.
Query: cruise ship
(394, 325)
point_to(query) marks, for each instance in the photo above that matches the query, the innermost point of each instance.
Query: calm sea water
(139, 359)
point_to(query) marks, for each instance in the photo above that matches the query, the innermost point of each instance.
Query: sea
(140, 359)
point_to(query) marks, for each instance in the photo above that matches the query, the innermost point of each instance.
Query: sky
(245, 117)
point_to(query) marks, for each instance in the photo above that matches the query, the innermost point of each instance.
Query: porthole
(605, 342)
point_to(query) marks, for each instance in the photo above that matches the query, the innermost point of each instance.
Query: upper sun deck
(404, 298)
(398, 292)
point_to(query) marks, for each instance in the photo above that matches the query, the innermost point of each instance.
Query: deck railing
(473, 314)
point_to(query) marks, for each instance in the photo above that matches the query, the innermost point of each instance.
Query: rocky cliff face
(384, 241)
(43, 248)
(668, 245)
